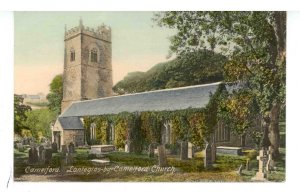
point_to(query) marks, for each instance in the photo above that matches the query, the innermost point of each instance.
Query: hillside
(191, 69)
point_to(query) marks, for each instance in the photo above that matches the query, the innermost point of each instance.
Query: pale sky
(137, 44)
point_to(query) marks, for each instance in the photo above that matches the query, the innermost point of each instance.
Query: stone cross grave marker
(261, 174)
(162, 159)
(184, 150)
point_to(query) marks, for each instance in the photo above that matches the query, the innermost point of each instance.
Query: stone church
(87, 91)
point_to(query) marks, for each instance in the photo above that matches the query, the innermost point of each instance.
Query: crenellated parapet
(102, 32)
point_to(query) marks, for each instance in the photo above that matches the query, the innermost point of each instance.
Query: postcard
(174, 96)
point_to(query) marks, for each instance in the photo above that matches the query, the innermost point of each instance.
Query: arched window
(72, 55)
(94, 55)
(93, 131)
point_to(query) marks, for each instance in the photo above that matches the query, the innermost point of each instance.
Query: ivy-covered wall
(143, 128)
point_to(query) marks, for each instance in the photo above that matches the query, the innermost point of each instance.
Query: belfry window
(93, 55)
(72, 58)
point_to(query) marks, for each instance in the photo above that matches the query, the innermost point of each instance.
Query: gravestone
(190, 150)
(41, 157)
(128, 146)
(213, 152)
(270, 161)
(70, 153)
(54, 147)
(48, 155)
(33, 155)
(64, 150)
(207, 156)
(184, 150)
(70, 158)
(162, 158)
(261, 174)
(151, 150)
(71, 148)
(248, 165)
(20, 147)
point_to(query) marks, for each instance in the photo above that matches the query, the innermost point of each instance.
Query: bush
(174, 148)
(251, 154)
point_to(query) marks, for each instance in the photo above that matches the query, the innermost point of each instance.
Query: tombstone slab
(54, 147)
(213, 152)
(162, 158)
(41, 157)
(190, 150)
(151, 150)
(184, 150)
(48, 156)
(71, 148)
(207, 156)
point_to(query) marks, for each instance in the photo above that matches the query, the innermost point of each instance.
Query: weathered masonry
(87, 64)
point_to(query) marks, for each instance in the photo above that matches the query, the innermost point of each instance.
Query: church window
(93, 55)
(72, 58)
(93, 131)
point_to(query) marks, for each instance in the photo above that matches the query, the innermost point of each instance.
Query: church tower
(87, 64)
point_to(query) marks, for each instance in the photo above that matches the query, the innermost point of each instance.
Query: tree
(56, 94)
(20, 114)
(199, 67)
(255, 44)
(39, 121)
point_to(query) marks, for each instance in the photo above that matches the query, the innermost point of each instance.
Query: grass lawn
(224, 170)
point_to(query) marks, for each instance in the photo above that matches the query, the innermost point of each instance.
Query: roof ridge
(154, 91)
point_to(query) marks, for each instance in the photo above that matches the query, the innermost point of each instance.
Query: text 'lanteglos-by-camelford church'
(87, 92)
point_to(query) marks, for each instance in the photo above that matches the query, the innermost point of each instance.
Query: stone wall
(75, 136)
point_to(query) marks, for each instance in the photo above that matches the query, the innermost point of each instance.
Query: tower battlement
(102, 32)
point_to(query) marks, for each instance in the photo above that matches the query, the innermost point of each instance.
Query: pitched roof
(70, 123)
(160, 100)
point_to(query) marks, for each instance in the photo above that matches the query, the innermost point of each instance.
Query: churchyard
(45, 163)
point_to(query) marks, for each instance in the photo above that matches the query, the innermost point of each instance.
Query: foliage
(20, 114)
(56, 94)
(120, 132)
(239, 110)
(151, 127)
(255, 44)
(102, 129)
(39, 121)
(200, 67)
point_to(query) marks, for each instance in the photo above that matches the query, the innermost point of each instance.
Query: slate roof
(160, 100)
(70, 123)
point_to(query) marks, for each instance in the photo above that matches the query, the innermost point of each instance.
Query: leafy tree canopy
(255, 44)
(56, 94)
(202, 66)
(39, 121)
(20, 114)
